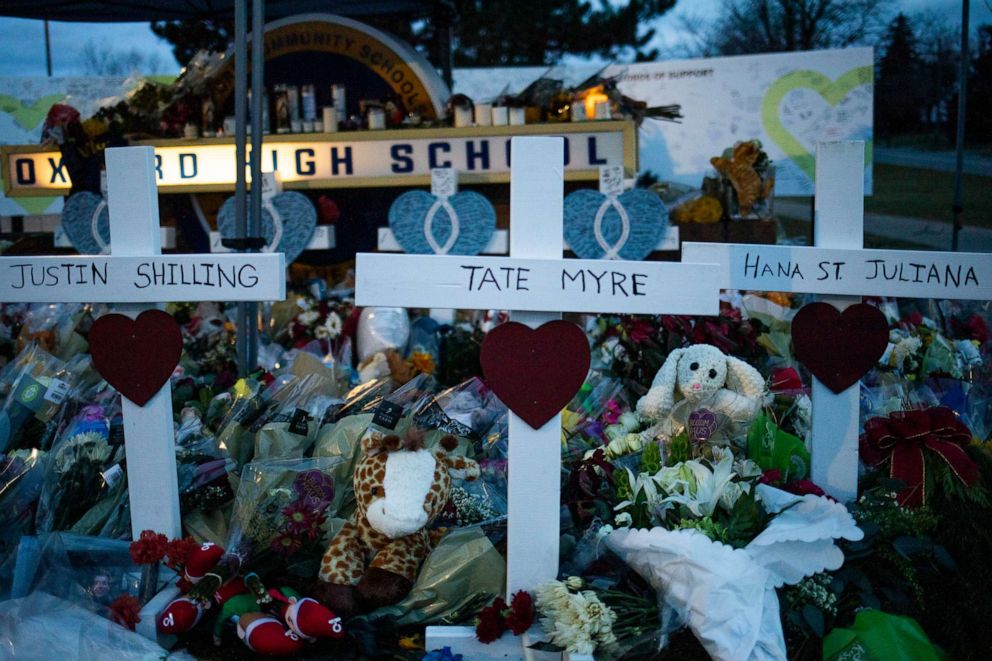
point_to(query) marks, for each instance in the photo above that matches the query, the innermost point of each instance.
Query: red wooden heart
(136, 356)
(839, 347)
(535, 372)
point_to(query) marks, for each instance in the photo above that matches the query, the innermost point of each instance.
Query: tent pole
(240, 123)
(48, 50)
(257, 130)
(958, 207)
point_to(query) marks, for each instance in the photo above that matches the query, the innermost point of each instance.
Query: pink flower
(286, 543)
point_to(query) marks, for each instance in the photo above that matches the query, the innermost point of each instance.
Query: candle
(463, 116)
(500, 116)
(483, 114)
(330, 116)
(603, 110)
(518, 116)
(377, 119)
(591, 100)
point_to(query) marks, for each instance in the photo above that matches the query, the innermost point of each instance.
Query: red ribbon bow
(902, 438)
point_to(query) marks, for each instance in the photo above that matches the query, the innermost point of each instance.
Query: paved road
(942, 161)
(931, 233)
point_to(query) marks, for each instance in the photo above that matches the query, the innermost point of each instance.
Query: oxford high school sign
(362, 158)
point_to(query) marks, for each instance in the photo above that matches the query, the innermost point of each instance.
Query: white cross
(138, 275)
(537, 284)
(839, 267)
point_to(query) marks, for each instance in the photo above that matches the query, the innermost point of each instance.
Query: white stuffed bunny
(702, 371)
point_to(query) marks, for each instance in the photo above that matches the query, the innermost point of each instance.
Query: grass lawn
(915, 193)
(795, 228)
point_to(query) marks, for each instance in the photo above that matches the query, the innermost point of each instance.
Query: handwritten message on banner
(504, 283)
(140, 279)
(905, 273)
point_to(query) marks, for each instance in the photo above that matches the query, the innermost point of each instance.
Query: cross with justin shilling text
(136, 275)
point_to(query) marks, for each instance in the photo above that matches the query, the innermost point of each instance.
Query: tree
(510, 32)
(938, 45)
(103, 60)
(487, 32)
(770, 26)
(190, 36)
(978, 122)
(899, 98)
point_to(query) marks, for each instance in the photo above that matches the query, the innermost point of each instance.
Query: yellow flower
(421, 361)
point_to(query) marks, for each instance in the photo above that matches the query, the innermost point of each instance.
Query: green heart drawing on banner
(28, 115)
(833, 92)
(34, 206)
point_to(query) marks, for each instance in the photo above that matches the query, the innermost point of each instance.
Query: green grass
(916, 193)
(795, 228)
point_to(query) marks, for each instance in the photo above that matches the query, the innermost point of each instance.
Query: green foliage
(679, 449)
(651, 458)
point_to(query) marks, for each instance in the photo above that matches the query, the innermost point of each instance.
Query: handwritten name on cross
(138, 275)
(838, 266)
(537, 285)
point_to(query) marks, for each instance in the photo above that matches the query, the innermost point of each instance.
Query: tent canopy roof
(121, 11)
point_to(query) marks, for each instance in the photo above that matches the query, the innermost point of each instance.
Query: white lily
(710, 486)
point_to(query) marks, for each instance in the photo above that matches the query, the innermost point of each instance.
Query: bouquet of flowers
(281, 517)
(705, 531)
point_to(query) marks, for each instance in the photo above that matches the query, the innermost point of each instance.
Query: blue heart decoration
(647, 220)
(476, 223)
(296, 213)
(78, 214)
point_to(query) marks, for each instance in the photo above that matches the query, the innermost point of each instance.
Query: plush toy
(400, 487)
(699, 372)
(274, 622)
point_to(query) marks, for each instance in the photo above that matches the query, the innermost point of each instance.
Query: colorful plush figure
(699, 372)
(274, 622)
(400, 487)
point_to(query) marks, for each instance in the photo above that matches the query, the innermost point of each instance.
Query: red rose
(771, 476)
(148, 548)
(804, 488)
(786, 379)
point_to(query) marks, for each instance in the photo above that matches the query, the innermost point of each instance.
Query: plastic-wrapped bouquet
(715, 544)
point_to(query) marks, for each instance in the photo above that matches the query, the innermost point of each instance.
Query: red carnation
(521, 615)
(149, 547)
(491, 622)
(124, 611)
(178, 551)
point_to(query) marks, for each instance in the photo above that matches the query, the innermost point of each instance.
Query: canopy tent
(123, 11)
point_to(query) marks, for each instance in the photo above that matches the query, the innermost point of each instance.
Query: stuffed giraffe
(400, 488)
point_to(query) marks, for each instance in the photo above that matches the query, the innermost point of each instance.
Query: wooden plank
(838, 271)
(510, 283)
(149, 435)
(534, 455)
(839, 223)
(141, 278)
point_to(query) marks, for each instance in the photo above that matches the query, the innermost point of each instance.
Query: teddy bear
(400, 488)
(703, 372)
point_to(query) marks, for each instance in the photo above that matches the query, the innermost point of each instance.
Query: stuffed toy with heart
(627, 226)
(86, 221)
(289, 220)
(424, 224)
(699, 373)
(400, 488)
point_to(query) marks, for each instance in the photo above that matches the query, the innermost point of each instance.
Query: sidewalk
(931, 233)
